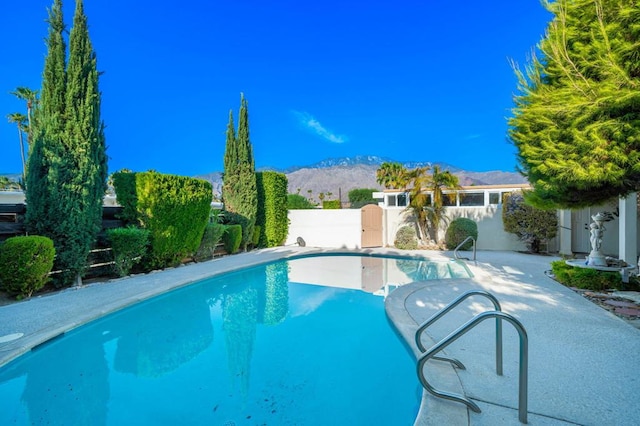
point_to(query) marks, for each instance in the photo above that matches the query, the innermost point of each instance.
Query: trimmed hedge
(128, 245)
(255, 240)
(272, 209)
(175, 210)
(232, 238)
(406, 238)
(458, 230)
(124, 183)
(25, 264)
(212, 236)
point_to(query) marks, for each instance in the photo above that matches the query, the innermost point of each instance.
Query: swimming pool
(257, 346)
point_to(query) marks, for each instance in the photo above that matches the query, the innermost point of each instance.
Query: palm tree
(21, 122)
(31, 98)
(418, 199)
(426, 198)
(392, 175)
(436, 212)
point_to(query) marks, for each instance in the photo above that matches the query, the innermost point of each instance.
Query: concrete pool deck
(583, 361)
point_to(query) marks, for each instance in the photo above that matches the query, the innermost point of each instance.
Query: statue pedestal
(596, 259)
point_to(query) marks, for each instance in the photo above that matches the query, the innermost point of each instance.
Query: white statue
(596, 229)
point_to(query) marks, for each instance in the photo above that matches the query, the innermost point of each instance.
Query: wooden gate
(371, 220)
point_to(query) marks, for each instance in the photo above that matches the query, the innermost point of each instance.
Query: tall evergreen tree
(48, 130)
(576, 121)
(239, 191)
(75, 166)
(231, 150)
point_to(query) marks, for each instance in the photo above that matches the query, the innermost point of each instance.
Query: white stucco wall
(491, 234)
(11, 197)
(342, 228)
(326, 228)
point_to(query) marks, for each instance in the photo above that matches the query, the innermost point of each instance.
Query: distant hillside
(340, 175)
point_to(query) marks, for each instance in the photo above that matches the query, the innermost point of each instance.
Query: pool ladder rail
(457, 255)
(428, 354)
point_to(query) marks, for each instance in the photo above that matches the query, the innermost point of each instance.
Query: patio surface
(583, 360)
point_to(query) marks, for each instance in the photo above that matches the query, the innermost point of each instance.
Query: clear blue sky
(410, 80)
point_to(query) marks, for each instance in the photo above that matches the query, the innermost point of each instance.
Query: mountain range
(335, 177)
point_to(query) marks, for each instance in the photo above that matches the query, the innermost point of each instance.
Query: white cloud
(308, 121)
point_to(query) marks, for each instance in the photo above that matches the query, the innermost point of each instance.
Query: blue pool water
(251, 347)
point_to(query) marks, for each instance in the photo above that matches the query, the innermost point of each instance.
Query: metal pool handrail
(455, 251)
(459, 332)
(448, 308)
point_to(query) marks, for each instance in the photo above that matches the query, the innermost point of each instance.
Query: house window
(449, 200)
(494, 198)
(471, 199)
(397, 200)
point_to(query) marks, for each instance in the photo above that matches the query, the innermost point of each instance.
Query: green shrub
(175, 210)
(458, 230)
(529, 224)
(360, 197)
(128, 246)
(298, 202)
(331, 204)
(232, 238)
(585, 278)
(210, 239)
(406, 238)
(272, 209)
(26, 263)
(255, 240)
(124, 183)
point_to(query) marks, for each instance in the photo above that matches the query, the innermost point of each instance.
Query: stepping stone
(630, 312)
(620, 304)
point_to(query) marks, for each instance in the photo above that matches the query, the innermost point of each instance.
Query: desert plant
(232, 238)
(458, 230)
(128, 246)
(406, 238)
(26, 263)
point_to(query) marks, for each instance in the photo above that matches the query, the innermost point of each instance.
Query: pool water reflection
(250, 347)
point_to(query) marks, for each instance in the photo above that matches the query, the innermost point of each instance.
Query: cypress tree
(48, 129)
(576, 121)
(240, 193)
(74, 166)
(230, 151)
